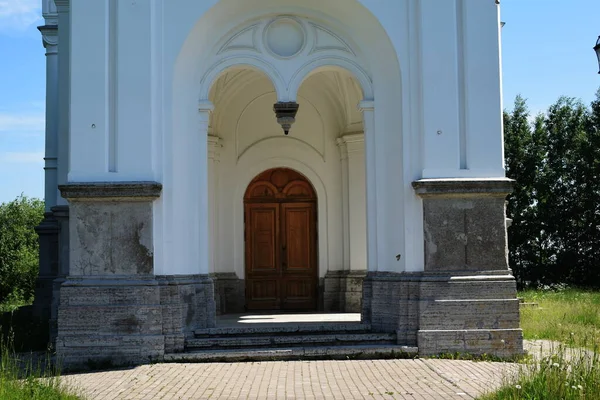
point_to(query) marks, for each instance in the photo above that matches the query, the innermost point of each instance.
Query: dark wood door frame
(280, 233)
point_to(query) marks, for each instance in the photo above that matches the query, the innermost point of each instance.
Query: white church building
(218, 157)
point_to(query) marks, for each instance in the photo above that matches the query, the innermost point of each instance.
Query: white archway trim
(254, 62)
(318, 64)
(267, 139)
(248, 170)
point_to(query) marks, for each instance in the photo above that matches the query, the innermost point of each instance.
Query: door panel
(298, 255)
(262, 256)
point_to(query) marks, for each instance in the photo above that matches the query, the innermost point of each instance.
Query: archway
(281, 242)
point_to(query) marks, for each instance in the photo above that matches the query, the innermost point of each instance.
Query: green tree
(555, 236)
(561, 209)
(524, 157)
(19, 248)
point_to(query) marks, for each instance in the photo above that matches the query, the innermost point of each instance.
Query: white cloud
(18, 15)
(11, 122)
(23, 157)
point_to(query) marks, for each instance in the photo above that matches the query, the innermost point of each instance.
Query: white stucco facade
(140, 71)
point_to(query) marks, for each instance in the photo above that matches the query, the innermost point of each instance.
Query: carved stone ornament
(286, 114)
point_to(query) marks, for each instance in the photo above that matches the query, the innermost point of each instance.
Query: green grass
(572, 371)
(30, 381)
(567, 316)
(567, 374)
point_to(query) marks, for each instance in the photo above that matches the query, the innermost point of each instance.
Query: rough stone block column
(343, 291)
(467, 295)
(48, 233)
(110, 303)
(187, 303)
(230, 293)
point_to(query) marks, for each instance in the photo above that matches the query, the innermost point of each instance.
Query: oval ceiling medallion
(284, 37)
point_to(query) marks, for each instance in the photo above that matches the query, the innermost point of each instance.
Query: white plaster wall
(252, 142)
(433, 67)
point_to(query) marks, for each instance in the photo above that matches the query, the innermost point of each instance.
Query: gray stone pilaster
(465, 299)
(467, 294)
(110, 306)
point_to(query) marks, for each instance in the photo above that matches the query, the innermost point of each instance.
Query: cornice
(111, 191)
(463, 187)
(62, 5)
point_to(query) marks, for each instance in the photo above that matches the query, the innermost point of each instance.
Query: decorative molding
(366, 105)
(49, 12)
(284, 37)
(325, 40)
(341, 144)
(243, 40)
(214, 148)
(113, 191)
(460, 187)
(352, 143)
(265, 45)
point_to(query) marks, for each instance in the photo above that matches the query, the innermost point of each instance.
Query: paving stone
(346, 379)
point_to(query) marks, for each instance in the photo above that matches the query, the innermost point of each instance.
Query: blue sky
(547, 52)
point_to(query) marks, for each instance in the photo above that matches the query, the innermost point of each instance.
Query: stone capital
(366, 105)
(461, 187)
(214, 147)
(111, 191)
(352, 143)
(49, 38)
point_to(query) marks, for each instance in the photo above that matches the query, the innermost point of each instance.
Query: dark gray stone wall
(188, 303)
(117, 321)
(343, 291)
(53, 234)
(230, 293)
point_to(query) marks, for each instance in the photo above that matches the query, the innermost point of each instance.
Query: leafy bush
(19, 249)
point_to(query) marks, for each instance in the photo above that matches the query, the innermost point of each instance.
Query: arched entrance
(280, 231)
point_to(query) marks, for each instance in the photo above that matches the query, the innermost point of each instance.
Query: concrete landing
(270, 319)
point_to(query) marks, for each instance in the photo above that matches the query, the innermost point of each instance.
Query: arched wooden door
(280, 222)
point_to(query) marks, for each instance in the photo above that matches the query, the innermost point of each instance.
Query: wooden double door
(281, 242)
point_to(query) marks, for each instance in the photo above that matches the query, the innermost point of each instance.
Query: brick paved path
(352, 379)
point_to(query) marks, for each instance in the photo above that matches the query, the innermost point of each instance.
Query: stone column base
(446, 313)
(343, 291)
(111, 321)
(230, 293)
(130, 320)
(188, 303)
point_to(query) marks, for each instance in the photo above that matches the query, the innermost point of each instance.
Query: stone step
(295, 353)
(291, 340)
(304, 328)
